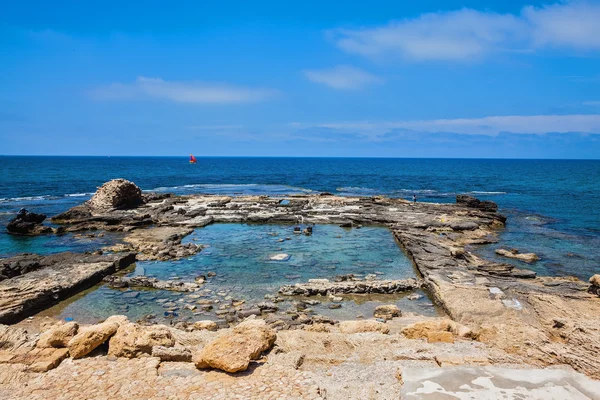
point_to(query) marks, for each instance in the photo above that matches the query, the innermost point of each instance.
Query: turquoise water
(239, 255)
(553, 205)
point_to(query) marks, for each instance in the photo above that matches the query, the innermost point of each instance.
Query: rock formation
(473, 202)
(58, 336)
(233, 351)
(45, 280)
(132, 340)
(324, 287)
(387, 312)
(28, 223)
(514, 253)
(144, 281)
(116, 194)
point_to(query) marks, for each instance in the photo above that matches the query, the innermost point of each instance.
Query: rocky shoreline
(521, 318)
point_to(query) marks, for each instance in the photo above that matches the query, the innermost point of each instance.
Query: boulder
(363, 326)
(387, 312)
(88, 338)
(595, 285)
(232, 352)
(473, 202)
(514, 253)
(58, 336)
(437, 330)
(176, 354)
(116, 194)
(28, 223)
(133, 340)
(205, 326)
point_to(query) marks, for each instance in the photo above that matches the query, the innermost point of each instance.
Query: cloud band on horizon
(182, 92)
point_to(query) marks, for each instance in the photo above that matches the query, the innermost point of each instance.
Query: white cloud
(342, 77)
(467, 34)
(493, 125)
(182, 92)
(455, 35)
(575, 25)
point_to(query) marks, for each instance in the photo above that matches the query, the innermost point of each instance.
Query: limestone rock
(387, 312)
(437, 330)
(440, 336)
(58, 336)
(116, 194)
(233, 351)
(176, 354)
(595, 280)
(514, 253)
(88, 338)
(363, 326)
(205, 326)
(132, 340)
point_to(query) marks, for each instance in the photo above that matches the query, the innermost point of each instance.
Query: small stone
(387, 312)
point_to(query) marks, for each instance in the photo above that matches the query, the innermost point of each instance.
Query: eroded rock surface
(324, 287)
(28, 223)
(144, 281)
(514, 253)
(116, 194)
(233, 351)
(53, 278)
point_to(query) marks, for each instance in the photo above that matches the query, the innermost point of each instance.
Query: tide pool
(239, 256)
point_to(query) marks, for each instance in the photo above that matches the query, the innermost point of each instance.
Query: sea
(553, 206)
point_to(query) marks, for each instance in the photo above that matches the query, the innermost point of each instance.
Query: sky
(489, 79)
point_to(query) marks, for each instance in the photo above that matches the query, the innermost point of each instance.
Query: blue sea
(553, 206)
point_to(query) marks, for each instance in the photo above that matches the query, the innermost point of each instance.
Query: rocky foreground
(499, 315)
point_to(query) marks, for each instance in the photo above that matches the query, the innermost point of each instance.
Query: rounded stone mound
(117, 193)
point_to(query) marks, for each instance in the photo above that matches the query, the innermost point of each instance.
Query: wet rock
(116, 194)
(233, 351)
(324, 287)
(514, 253)
(414, 296)
(267, 307)
(363, 326)
(523, 273)
(58, 336)
(28, 223)
(387, 312)
(472, 202)
(144, 281)
(132, 340)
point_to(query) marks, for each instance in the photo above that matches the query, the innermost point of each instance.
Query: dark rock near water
(473, 202)
(144, 281)
(28, 223)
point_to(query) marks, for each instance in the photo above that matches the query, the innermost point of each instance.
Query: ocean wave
(363, 191)
(79, 194)
(357, 189)
(487, 193)
(232, 188)
(42, 197)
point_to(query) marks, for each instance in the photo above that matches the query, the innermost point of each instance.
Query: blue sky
(310, 78)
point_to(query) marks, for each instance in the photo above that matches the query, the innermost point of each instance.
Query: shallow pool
(240, 256)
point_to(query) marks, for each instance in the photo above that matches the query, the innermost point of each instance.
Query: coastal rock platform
(514, 318)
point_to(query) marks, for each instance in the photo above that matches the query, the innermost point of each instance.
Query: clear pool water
(239, 255)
